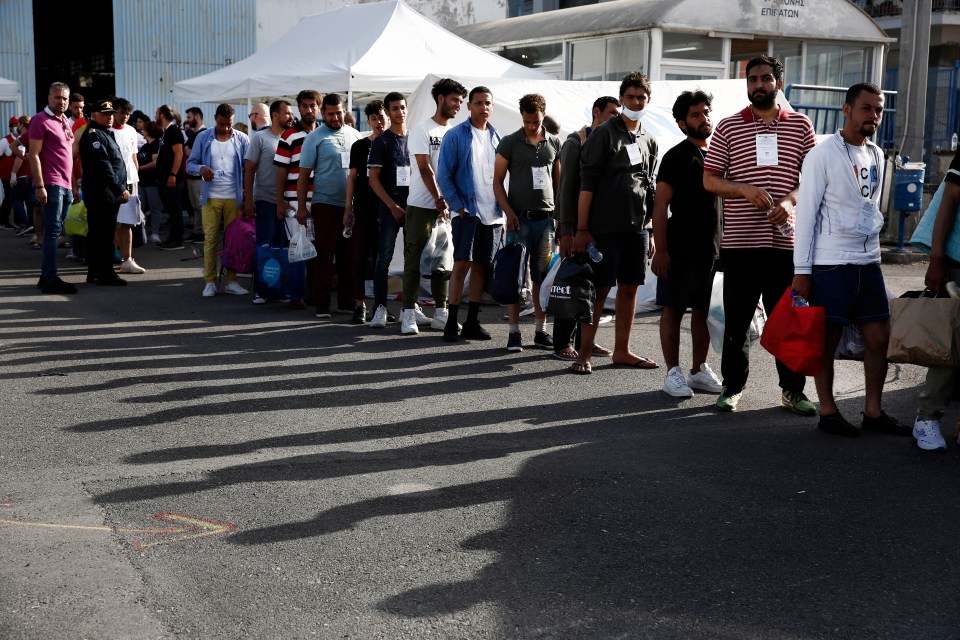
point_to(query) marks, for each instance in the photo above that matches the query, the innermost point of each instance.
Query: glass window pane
(626, 54)
(689, 46)
(823, 65)
(587, 60)
(547, 58)
(791, 55)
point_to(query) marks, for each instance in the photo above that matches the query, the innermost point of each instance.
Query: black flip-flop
(642, 363)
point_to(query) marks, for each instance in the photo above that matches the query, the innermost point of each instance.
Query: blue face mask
(631, 114)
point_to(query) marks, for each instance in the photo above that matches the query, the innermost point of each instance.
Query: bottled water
(798, 301)
(348, 230)
(594, 253)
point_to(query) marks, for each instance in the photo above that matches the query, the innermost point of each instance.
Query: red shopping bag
(795, 336)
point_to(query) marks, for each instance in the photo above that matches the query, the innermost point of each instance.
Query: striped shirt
(733, 154)
(288, 157)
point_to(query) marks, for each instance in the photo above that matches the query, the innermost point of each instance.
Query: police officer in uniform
(104, 190)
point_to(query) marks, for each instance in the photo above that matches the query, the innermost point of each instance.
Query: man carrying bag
(836, 254)
(942, 272)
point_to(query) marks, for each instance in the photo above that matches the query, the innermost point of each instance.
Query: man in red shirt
(754, 164)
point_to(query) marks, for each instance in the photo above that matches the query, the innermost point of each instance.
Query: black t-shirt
(148, 177)
(364, 199)
(693, 230)
(171, 135)
(389, 153)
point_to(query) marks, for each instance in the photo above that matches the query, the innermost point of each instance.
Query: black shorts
(688, 284)
(624, 258)
(474, 241)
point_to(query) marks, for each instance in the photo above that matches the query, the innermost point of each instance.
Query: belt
(535, 215)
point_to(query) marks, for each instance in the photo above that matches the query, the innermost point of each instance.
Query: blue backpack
(509, 273)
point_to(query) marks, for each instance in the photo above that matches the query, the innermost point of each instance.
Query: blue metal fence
(824, 106)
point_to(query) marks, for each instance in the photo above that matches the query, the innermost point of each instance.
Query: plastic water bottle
(953, 142)
(953, 290)
(309, 226)
(786, 229)
(291, 212)
(798, 301)
(348, 230)
(594, 253)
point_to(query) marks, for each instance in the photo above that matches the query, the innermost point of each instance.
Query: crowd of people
(606, 195)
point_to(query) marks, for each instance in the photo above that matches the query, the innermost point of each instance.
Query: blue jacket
(455, 167)
(200, 156)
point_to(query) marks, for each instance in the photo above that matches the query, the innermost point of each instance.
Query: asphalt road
(232, 471)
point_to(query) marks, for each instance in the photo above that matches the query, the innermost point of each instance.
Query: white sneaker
(379, 318)
(676, 385)
(705, 380)
(422, 318)
(258, 299)
(210, 290)
(928, 436)
(408, 322)
(439, 321)
(130, 266)
(234, 289)
(154, 238)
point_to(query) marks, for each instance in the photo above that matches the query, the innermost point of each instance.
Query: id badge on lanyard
(540, 178)
(633, 151)
(344, 159)
(403, 176)
(488, 174)
(767, 155)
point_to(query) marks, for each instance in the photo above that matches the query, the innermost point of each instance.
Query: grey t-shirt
(263, 146)
(523, 158)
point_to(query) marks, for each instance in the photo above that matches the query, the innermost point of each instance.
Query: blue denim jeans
(152, 207)
(54, 213)
(386, 243)
(266, 220)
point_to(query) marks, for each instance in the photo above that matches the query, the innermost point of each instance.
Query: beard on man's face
(763, 99)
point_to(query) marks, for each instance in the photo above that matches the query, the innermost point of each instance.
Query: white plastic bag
(301, 249)
(437, 255)
(547, 283)
(716, 322)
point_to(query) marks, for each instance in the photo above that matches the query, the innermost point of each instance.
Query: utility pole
(912, 79)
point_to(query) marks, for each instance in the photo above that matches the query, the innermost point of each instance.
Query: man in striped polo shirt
(287, 160)
(754, 164)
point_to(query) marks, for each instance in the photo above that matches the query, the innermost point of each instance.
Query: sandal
(601, 352)
(567, 355)
(581, 368)
(642, 363)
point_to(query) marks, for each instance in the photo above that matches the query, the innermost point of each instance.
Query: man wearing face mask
(754, 164)
(613, 210)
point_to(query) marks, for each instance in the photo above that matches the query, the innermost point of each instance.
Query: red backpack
(239, 246)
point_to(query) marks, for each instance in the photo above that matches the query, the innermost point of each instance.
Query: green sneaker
(728, 402)
(798, 403)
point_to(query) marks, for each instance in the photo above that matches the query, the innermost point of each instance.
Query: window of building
(547, 58)
(689, 46)
(608, 59)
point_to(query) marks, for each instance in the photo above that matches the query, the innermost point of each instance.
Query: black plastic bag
(573, 293)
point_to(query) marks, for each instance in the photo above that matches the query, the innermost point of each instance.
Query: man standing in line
(389, 165)
(615, 204)
(259, 117)
(688, 245)
(260, 175)
(532, 158)
(425, 202)
(754, 164)
(566, 335)
(287, 161)
(360, 210)
(465, 177)
(837, 254)
(8, 176)
(104, 190)
(170, 163)
(218, 157)
(326, 151)
(51, 161)
(944, 269)
(126, 138)
(192, 128)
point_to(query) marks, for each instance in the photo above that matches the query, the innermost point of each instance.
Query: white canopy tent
(376, 47)
(570, 102)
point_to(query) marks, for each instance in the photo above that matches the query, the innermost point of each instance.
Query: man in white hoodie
(836, 256)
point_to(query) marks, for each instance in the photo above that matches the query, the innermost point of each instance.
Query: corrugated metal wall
(16, 54)
(159, 43)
